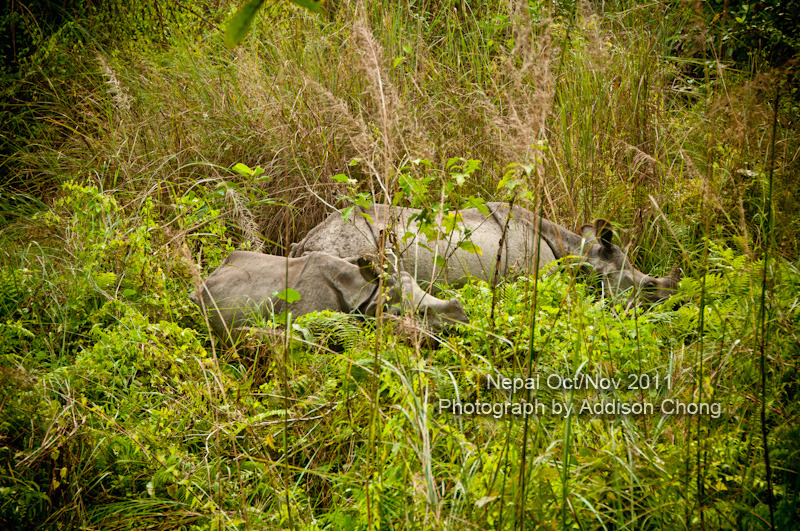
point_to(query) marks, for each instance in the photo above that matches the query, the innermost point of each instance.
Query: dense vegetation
(138, 151)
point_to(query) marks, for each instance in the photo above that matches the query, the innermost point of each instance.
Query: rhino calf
(246, 286)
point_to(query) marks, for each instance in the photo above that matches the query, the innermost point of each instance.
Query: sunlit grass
(120, 409)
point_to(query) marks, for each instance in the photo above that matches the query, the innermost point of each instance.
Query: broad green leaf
(243, 169)
(471, 165)
(289, 295)
(509, 181)
(450, 222)
(477, 202)
(431, 232)
(414, 187)
(342, 178)
(284, 317)
(346, 213)
(470, 247)
(241, 22)
(363, 199)
(247, 171)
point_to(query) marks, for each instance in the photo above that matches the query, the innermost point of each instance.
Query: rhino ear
(675, 274)
(604, 231)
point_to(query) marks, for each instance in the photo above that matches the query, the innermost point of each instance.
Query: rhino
(473, 247)
(247, 284)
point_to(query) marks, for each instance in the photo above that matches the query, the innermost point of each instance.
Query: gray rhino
(452, 258)
(247, 285)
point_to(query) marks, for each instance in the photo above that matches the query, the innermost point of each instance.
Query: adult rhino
(592, 247)
(247, 284)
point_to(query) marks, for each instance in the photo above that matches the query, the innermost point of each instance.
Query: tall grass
(130, 413)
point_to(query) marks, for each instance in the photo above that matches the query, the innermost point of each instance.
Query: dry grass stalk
(381, 91)
(401, 135)
(247, 222)
(119, 94)
(530, 88)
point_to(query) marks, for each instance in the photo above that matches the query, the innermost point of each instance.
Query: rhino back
(478, 260)
(336, 237)
(360, 235)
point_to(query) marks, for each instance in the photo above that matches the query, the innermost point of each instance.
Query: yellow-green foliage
(130, 181)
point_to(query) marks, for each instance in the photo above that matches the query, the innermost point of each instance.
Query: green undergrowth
(119, 407)
(138, 151)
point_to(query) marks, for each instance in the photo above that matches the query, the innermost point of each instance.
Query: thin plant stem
(763, 310)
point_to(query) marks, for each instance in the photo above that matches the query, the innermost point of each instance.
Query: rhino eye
(649, 286)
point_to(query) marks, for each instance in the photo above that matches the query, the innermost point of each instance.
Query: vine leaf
(470, 247)
(289, 295)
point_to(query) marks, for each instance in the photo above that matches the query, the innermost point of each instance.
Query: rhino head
(403, 294)
(609, 261)
(438, 313)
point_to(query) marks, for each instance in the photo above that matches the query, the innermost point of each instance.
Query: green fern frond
(338, 331)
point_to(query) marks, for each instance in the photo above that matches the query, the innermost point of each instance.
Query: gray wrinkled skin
(360, 236)
(245, 286)
(618, 274)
